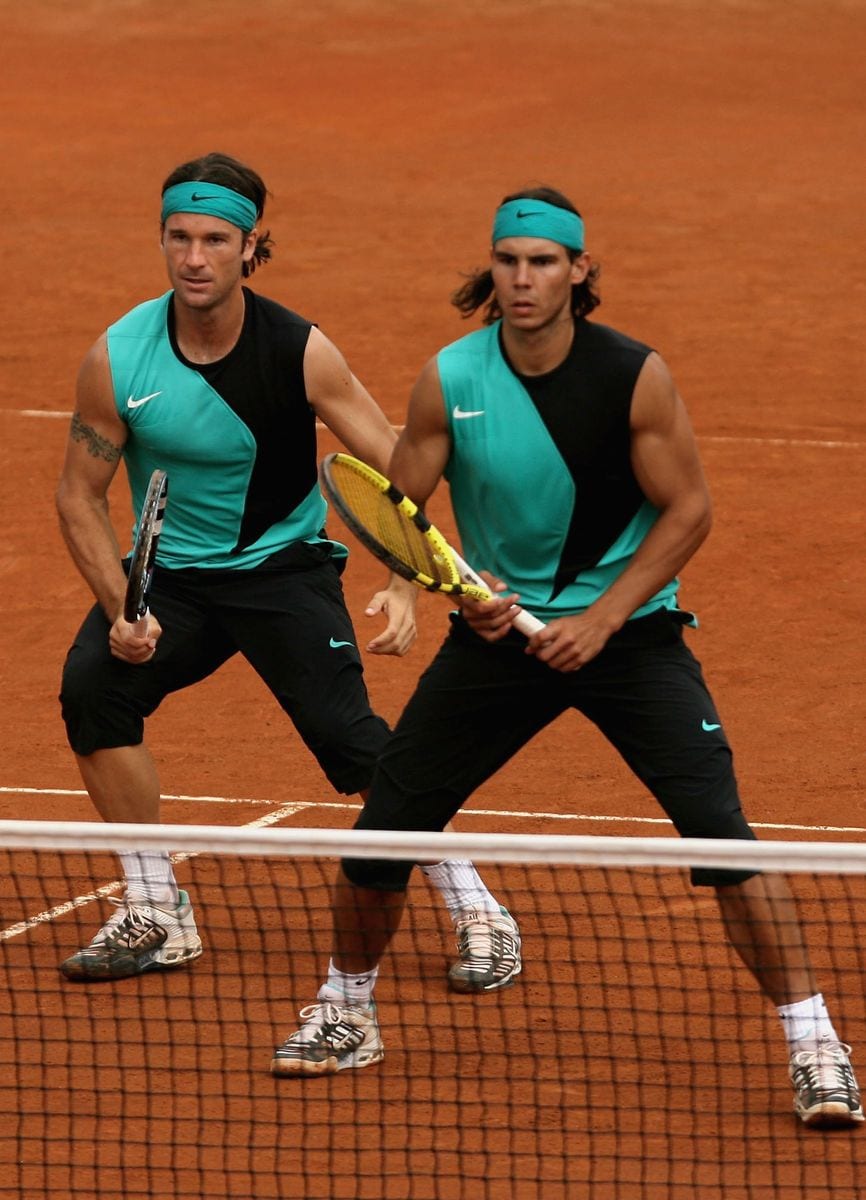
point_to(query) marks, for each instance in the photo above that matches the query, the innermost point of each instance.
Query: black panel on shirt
(585, 404)
(262, 380)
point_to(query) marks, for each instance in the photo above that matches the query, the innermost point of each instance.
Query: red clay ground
(715, 150)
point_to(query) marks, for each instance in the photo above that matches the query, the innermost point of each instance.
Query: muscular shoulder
(656, 399)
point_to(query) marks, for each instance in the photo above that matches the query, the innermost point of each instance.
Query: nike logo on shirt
(133, 403)
(459, 414)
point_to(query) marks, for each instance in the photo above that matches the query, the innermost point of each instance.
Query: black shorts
(288, 618)
(478, 703)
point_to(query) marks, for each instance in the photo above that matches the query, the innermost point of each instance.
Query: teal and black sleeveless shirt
(237, 437)
(540, 468)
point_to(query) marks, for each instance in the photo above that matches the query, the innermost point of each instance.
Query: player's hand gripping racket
(135, 606)
(398, 533)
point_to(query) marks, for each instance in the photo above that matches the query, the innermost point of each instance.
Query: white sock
(356, 990)
(461, 887)
(807, 1021)
(149, 876)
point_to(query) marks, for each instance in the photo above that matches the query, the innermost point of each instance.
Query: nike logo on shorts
(335, 645)
(708, 728)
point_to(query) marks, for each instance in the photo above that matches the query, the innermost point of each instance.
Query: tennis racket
(398, 533)
(144, 551)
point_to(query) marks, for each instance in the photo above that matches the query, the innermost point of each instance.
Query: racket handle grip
(141, 624)
(527, 623)
(524, 621)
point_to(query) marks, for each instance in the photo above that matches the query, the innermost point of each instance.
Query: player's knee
(345, 750)
(733, 826)
(379, 874)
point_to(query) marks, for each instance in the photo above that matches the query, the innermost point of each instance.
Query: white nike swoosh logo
(132, 403)
(458, 413)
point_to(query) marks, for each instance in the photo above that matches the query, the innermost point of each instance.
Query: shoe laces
(127, 926)
(321, 1019)
(477, 935)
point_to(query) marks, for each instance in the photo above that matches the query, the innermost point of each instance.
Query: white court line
(271, 818)
(38, 412)
(521, 815)
(26, 791)
(758, 441)
(775, 441)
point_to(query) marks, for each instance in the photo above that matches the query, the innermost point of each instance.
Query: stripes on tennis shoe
(488, 945)
(825, 1089)
(140, 936)
(332, 1038)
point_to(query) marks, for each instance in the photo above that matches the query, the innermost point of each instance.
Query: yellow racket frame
(395, 529)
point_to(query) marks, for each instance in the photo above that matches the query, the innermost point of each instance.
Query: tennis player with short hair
(574, 476)
(221, 388)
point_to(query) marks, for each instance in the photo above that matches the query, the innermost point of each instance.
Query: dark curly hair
(478, 288)
(228, 172)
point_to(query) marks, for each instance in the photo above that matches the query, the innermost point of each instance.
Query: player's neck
(537, 351)
(208, 334)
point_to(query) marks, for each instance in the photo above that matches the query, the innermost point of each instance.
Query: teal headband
(538, 219)
(211, 199)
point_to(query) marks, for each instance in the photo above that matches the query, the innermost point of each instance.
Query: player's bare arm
(96, 439)
(344, 405)
(341, 403)
(667, 466)
(419, 457)
(93, 451)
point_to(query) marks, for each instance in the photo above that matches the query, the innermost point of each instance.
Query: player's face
(533, 278)
(205, 257)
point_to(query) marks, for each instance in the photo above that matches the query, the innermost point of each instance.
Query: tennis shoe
(140, 936)
(488, 945)
(825, 1090)
(332, 1038)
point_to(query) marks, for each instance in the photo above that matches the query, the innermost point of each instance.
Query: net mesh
(633, 1059)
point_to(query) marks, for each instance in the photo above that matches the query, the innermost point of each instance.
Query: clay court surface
(715, 151)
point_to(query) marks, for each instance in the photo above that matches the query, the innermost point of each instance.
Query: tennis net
(634, 1059)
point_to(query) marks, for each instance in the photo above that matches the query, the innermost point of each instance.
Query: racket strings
(144, 551)
(393, 528)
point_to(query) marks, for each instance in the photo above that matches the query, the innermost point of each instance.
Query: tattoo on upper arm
(97, 445)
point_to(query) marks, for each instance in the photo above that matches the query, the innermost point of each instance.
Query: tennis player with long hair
(221, 388)
(577, 486)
